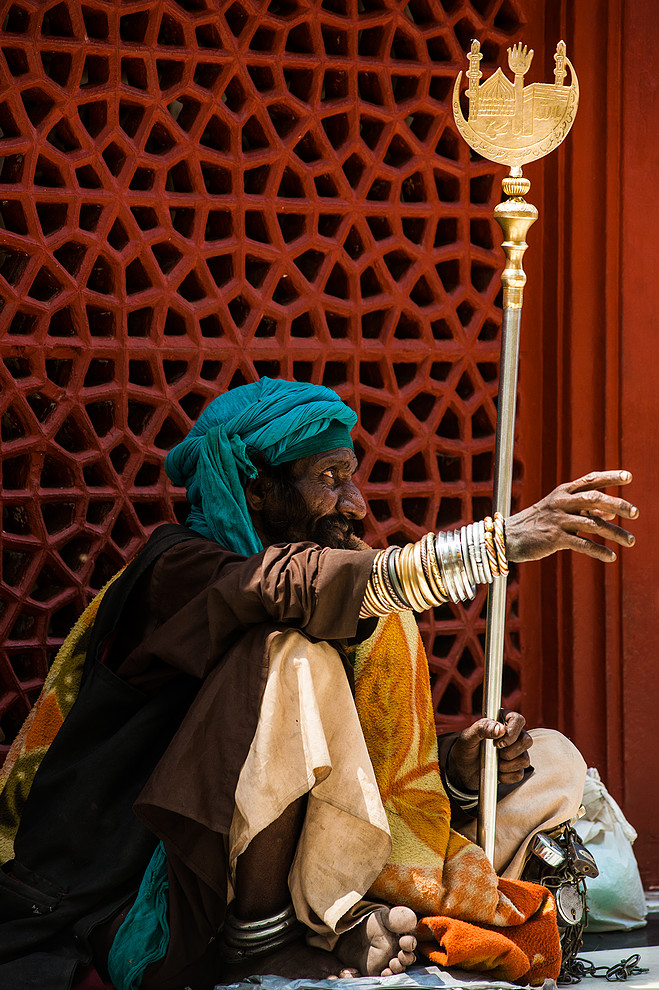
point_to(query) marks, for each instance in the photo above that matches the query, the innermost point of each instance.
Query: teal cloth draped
(144, 935)
(283, 421)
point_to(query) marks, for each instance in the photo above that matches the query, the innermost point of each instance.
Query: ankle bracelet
(248, 939)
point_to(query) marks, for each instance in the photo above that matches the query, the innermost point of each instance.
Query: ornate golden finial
(512, 123)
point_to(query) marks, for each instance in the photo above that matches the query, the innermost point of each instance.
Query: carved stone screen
(199, 193)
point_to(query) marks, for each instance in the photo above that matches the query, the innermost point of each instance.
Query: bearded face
(314, 499)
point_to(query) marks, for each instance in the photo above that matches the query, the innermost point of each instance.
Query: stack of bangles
(441, 567)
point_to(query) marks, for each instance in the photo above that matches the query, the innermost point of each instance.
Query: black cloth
(177, 669)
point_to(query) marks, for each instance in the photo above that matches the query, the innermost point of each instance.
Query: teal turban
(282, 420)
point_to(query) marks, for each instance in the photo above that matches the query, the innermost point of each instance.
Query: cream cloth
(550, 796)
(309, 740)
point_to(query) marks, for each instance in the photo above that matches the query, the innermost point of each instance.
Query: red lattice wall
(195, 194)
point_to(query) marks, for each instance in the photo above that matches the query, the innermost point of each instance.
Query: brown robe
(211, 613)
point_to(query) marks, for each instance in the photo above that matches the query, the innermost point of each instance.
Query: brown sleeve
(200, 597)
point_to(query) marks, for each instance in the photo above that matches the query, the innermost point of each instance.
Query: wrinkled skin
(556, 521)
(333, 502)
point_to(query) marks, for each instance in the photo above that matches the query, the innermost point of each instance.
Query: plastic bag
(615, 898)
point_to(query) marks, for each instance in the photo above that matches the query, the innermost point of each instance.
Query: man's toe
(401, 919)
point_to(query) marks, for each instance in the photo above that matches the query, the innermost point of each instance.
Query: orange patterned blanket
(471, 918)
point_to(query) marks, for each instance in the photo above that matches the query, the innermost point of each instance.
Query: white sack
(615, 898)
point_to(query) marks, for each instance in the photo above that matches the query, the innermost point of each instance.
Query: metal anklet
(248, 939)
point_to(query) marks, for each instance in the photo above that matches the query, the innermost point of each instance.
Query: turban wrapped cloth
(282, 420)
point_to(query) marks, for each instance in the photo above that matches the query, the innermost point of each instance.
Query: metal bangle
(406, 569)
(483, 552)
(500, 544)
(370, 605)
(249, 939)
(478, 555)
(445, 565)
(381, 593)
(489, 545)
(386, 592)
(385, 575)
(422, 586)
(434, 577)
(467, 592)
(466, 559)
(393, 576)
(471, 545)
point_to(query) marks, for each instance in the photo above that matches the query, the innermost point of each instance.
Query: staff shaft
(515, 216)
(496, 602)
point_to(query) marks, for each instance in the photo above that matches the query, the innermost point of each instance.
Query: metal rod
(515, 216)
(496, 602)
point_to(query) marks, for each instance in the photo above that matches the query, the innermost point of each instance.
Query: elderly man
(215, 715)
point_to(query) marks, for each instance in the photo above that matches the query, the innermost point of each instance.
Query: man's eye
(329, 474)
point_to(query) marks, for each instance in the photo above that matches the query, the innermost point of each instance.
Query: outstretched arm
(569, 517)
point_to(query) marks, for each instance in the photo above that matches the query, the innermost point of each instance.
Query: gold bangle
(385, 577)
(371, 602)
(434, 575)
(489, 546)
(423, 588)
(379, 586)
(500, 544)
(407, 579)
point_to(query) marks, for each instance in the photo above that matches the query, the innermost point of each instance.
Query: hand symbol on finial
(519, 59)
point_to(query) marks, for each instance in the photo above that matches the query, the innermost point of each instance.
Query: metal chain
(618, 972)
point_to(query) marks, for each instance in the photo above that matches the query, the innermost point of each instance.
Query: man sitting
(205, 684)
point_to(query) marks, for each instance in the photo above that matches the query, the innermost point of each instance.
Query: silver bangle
(475, 549)
(248, 939)
(484, 561)
(466, 558)
(465, 588)
(478, 578)
(445, 567)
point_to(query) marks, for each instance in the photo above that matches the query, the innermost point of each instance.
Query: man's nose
(351, 502)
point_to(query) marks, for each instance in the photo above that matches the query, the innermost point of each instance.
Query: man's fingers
(517, 751)
(513, 766)
(600, 527)
(596, 503)
(484, 728)
(511, 778)
(591, 549)
(599, 479)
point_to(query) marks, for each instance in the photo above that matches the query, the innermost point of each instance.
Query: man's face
(332, 501)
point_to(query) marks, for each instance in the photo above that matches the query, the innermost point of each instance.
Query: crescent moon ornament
(511, 123)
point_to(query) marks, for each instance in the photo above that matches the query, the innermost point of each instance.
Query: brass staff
(512, 124)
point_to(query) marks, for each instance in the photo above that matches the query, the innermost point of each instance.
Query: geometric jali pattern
(195, 194)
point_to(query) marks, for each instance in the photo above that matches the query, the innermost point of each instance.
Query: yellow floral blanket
(470, 918)
(59, 691)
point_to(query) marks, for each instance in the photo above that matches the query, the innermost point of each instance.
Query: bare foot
(382, 944)
(295, 961)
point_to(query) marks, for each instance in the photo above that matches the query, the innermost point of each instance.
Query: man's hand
(575, 508)
(512, 742)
